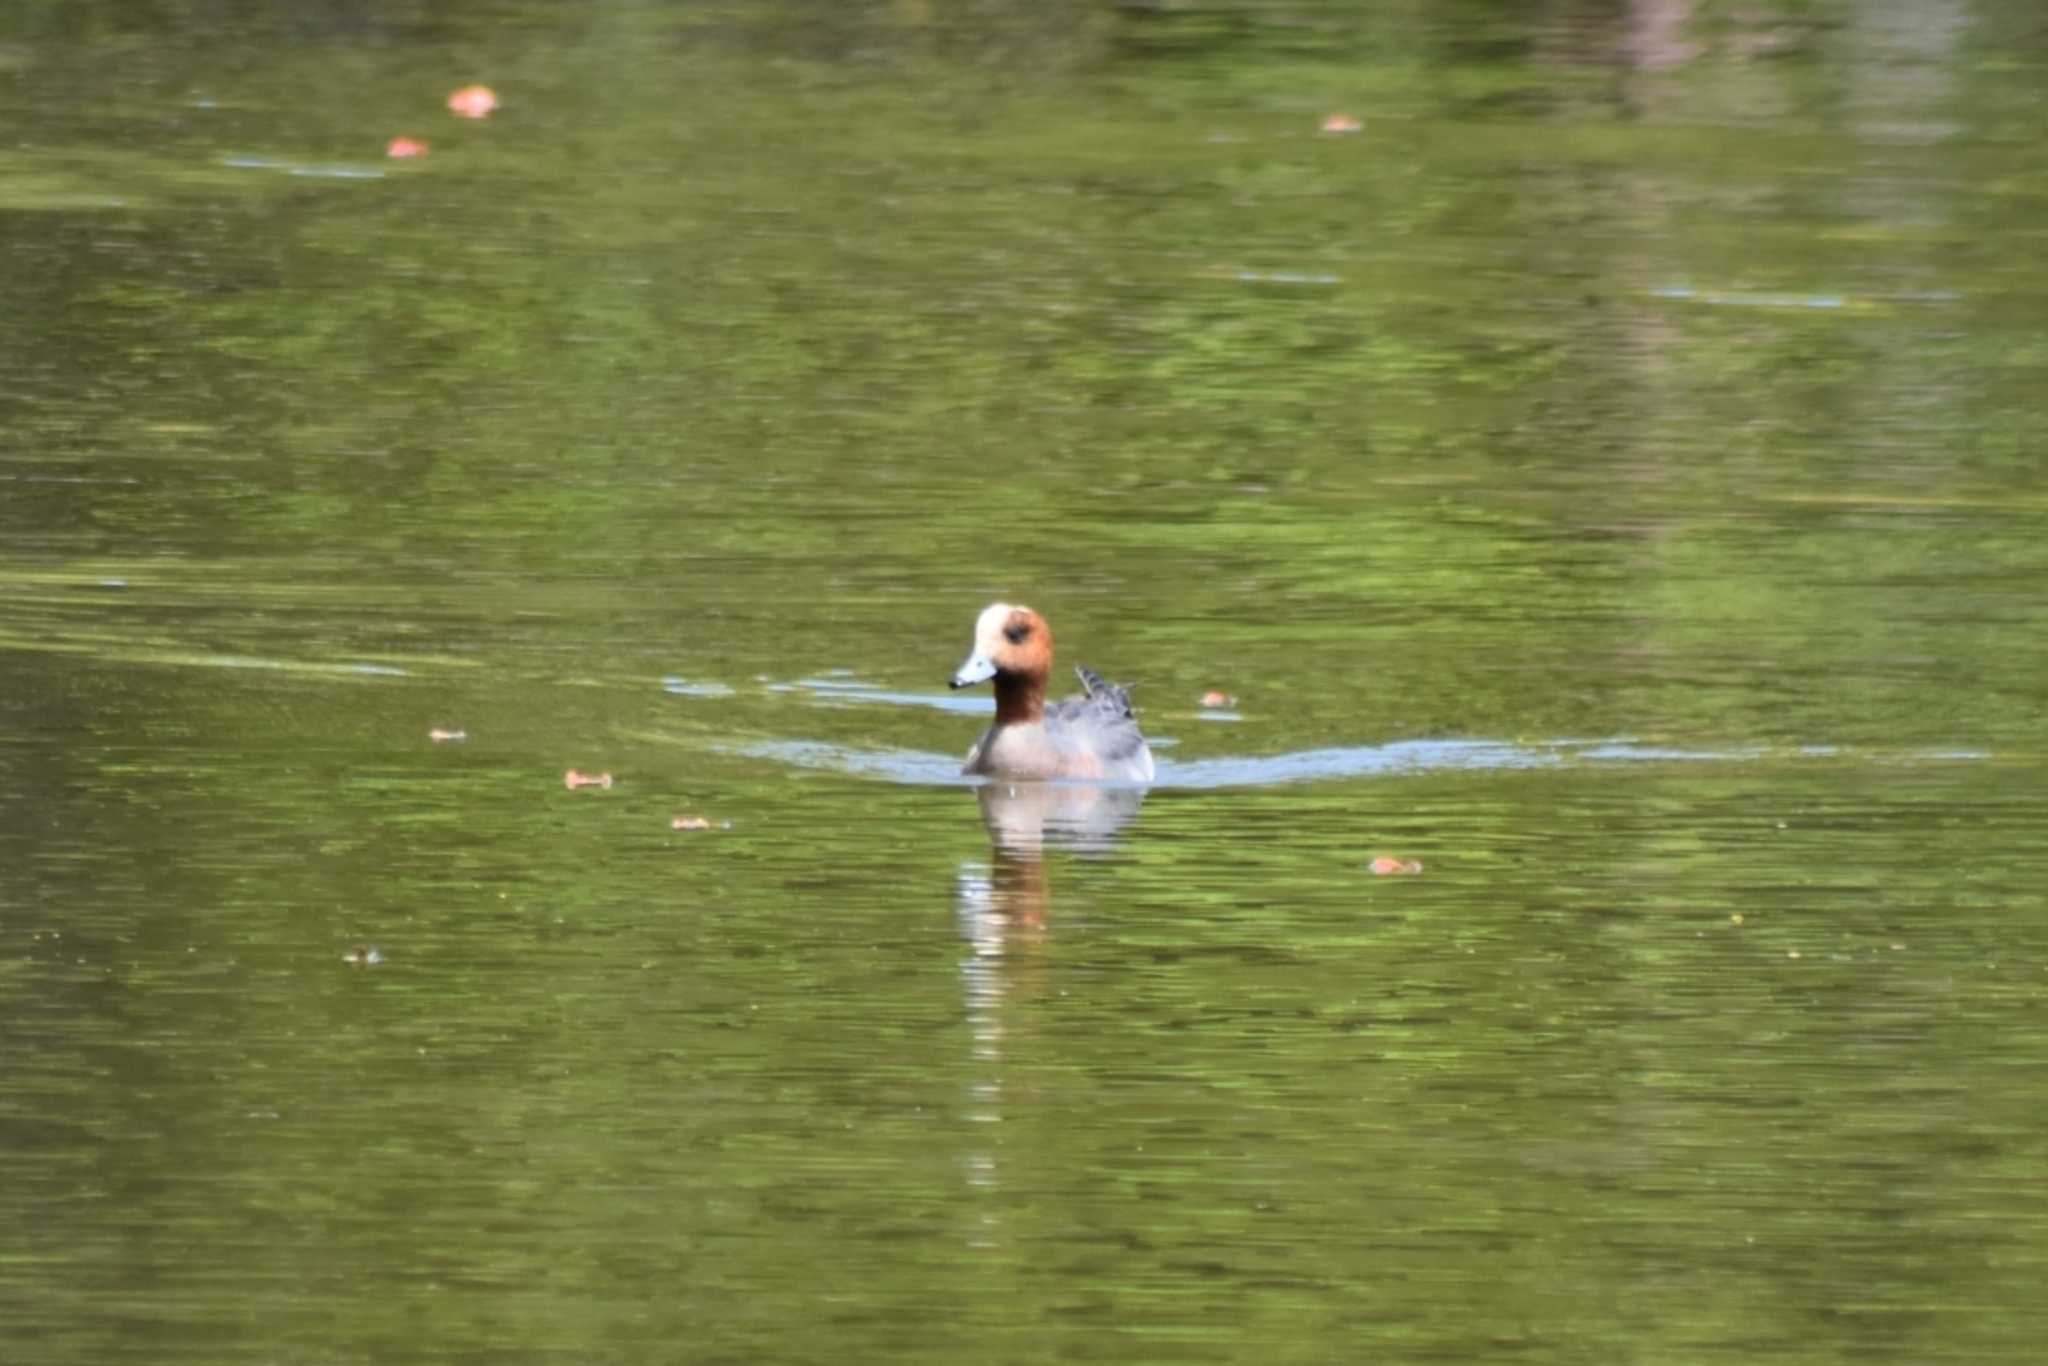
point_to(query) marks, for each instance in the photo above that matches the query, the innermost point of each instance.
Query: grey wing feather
(1102, 693)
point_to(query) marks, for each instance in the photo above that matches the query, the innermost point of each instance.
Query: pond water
(1595, 449)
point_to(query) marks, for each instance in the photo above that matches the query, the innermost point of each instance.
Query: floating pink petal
(447, 737)
(573, 780)
(405, 147)
(1218, 699)
(689, 823)
(1341, 123)
(1394, 867)
(473, 101)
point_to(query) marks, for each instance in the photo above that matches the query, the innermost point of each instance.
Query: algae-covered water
(1592, 454)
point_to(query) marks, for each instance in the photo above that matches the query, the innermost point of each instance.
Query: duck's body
(1091, 737)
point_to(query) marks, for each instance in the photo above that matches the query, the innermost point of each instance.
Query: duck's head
(1008, 641)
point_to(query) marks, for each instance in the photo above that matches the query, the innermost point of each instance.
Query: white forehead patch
(988, 627)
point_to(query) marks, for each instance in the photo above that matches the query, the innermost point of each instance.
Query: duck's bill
(978, 669)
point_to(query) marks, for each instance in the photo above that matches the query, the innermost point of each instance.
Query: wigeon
(1093, 736)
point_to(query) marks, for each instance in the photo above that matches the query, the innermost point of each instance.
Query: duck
(1093, 737)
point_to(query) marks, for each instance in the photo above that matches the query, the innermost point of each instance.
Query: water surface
(1609, 478)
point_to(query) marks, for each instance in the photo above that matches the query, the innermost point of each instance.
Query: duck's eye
(1015, 634)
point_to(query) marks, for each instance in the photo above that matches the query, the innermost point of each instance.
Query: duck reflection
(1024, 818)
(1004, 909)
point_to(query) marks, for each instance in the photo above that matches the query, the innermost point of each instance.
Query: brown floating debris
(473, 101)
